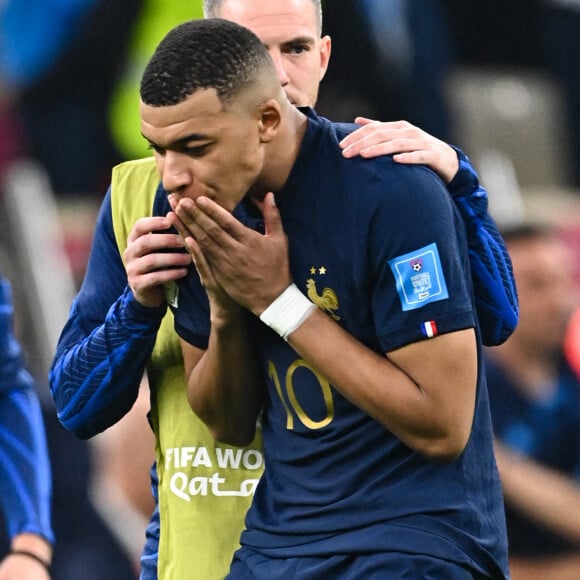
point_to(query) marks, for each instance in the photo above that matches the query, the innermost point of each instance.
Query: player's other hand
(407, 144)
(154, 256)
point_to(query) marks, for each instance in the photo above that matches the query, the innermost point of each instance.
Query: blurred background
(498, 79)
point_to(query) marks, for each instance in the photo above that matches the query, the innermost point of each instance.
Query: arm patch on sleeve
(419, 277)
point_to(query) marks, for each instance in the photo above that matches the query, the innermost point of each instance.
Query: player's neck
(281, 153)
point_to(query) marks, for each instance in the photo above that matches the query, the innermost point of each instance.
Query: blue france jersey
(381, 249)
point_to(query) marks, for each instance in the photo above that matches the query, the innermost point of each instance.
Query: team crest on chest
(324, 297)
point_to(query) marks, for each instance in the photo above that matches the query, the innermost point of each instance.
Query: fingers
(147, 225)
(374, 138)
(272, 220)
(200, 263)
(407, 143)
(153, 257)
(364, 121)
(218, 223)
(150, 235)
(214, 229)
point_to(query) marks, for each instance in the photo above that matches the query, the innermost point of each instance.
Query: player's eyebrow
(298, 40)
(179, 142)
(308, 40)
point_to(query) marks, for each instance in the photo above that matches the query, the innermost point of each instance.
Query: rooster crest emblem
(327, 301)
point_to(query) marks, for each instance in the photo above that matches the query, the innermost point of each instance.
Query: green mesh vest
(205, 488)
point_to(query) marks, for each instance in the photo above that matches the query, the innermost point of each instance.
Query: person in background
(535, 404)
(115, 330)
(395, 58)
(25, 474)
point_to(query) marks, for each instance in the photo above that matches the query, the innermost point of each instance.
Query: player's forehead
(199, 117)
(275, 22)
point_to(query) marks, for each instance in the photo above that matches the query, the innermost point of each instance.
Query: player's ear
(269, 118)
(325, 50)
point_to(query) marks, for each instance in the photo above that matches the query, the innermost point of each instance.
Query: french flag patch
(429, 329)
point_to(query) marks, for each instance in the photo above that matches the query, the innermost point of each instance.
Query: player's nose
(176, 173)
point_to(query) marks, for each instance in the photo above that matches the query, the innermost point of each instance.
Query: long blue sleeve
(25, 476)
(496, 296)
(106, 343)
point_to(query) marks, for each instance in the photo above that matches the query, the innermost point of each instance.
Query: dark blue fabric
(25, 475)
(496, 297)
(105, 344)
(547, 431)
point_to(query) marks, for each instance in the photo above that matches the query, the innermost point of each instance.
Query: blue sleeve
(106, 343)
(25, 476)
(491, 268)
(419, 261)
(150, 553)
(33, 33)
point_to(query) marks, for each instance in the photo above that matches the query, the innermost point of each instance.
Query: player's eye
(197, 150)
(298, 48)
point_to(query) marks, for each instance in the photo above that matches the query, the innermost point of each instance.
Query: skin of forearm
(433, 420)
(225, 386)
(540, 493)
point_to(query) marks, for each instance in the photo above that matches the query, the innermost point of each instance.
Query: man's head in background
(291, 31)
(542, 265)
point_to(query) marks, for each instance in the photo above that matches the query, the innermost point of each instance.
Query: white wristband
(287, 312)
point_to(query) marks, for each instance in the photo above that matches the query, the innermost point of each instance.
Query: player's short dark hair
(203, 54)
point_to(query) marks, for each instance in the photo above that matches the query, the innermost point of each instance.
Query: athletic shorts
(248, 565)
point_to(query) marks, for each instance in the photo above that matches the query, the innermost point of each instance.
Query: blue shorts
(249, 565)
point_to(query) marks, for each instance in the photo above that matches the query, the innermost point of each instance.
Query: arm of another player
(494, 285)
(407, 144)
(109, 336)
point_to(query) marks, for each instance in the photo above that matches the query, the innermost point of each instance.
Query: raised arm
(494, 286)
(225, 386)
(113, 322)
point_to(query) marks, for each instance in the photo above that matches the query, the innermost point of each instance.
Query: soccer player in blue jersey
(25, 476)
(348, 330)
(114, 321)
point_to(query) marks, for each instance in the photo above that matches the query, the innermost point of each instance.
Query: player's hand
(222, 307)
(252, 268)
(407, 144)
(153, 257)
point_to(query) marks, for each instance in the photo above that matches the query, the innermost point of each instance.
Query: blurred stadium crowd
(500, 80)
